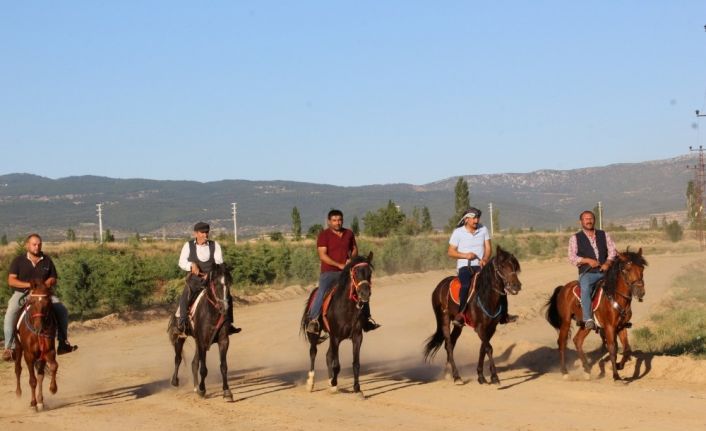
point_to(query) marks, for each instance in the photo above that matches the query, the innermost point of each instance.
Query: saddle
(595, 297)
(192, 307)
(455, 293)
(324, 306)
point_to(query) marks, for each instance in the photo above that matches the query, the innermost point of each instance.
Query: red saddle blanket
(324, 306)
(597, 294)
(455, 293)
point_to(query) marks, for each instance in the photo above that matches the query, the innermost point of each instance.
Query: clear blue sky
(346, 93)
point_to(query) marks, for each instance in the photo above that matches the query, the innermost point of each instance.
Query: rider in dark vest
(199, 256)
(592, 251)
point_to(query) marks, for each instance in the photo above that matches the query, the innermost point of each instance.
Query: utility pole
(699, 183)
(235, 222)
(600, 215)
(100, 222)
(492, 227)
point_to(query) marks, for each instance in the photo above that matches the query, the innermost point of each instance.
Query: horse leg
(32, 383)
(578, 342)
(334, 367)
(313, 343)
(562, 341)
(357, 340)
(627, 352)
(223, 344)
(611, 341)
(491, 362)
(18, 373)
(450, 338)
(178, 350)
(53, 368)
(195, 368)
(481, 361)
(40, 383)
(203, 371)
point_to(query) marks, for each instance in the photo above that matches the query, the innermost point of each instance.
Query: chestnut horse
(622, 281)
(209, 327)
(496, 279)
(35, 341)
(343, 320)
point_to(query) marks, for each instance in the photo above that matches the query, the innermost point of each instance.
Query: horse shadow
(116, 396)
(253, 383)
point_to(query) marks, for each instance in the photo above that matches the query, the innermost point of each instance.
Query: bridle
(499, 275)
(220, 304)
(356, 284)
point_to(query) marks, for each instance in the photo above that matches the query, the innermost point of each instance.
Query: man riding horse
(33, 264)
(592, 251)
(198, 257)
(470, 246)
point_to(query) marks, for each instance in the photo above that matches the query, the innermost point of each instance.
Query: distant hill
(543, 199)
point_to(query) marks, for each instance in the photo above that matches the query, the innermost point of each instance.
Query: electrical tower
(698, 206)
(100, 222)
(235, 222)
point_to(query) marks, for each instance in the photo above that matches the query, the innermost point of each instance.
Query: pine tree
(462, 202)
(355, 226)
(296, 224)
(426, 220)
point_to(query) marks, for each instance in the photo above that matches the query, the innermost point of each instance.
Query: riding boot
(230, 321)
(367, 321)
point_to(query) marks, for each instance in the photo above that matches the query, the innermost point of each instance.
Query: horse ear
(639, 252)
(499, 251)
(370, 257)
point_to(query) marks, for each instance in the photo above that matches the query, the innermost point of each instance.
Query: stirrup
(459, 321)
(370, 325)
(313, 327)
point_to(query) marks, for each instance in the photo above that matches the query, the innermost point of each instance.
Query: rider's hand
(194, 269)
(471, 256)
(605, 267)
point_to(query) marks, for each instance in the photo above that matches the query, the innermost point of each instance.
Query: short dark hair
(334, 212)
(33, 235)
(587, 212)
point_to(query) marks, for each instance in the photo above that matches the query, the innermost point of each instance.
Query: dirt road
(119, 379)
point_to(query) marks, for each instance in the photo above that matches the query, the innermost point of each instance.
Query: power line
(100, 222)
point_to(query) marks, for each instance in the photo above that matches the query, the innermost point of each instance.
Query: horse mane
(346, 275)
(487, 274)
(611, 278)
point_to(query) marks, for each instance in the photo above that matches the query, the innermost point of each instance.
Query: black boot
(367, 321)
(232, 329)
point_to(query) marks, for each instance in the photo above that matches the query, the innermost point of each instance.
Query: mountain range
(542, 199)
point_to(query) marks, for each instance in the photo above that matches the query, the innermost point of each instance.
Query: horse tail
(305, 314)
(434, 342)
(552, 314)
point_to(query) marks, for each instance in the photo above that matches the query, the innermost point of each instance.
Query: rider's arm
(15, 282)
(217, 254)
(574, 258)
(487, 252)
(184, 258)
(454, 253)
(325, 258)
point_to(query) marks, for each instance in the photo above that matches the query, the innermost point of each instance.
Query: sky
(346, 93)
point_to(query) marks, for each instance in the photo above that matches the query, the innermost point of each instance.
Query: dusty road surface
(119, 379)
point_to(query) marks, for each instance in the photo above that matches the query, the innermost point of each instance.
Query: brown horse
(342, 319)
(622, 281)
(497, 279)
(35, 341)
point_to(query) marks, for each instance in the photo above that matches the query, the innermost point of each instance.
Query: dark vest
(584, 249)
(204, 267)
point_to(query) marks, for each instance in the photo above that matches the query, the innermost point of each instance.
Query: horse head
(219, 281)
(360, 270)
(631, 266)
(39, 302)
(506, 269)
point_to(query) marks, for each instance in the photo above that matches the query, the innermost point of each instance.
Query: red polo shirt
(338, 248)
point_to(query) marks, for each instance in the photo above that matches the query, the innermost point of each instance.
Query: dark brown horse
(209, 318)
(35, 341)
(497, 279)
(342, 319)
(622, 281)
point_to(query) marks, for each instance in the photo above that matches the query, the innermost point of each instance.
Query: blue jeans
(588, 281)
(465, 276)
(326, 281)
(13, 310)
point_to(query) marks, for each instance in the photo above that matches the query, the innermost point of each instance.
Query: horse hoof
(458, 381)
(494, 380)
(482, 381)
(565, 376)
(175, 382)
(227, 396)
(360, 395)
(202, 394)
(586, 375)
(333, 389)
(40, 407)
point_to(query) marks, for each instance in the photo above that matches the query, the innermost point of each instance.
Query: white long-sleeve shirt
(202, 253)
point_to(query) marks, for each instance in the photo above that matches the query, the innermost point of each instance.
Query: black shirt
(26, 271)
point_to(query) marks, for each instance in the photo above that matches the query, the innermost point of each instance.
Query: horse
(496, 279)
(209, 318)
(622, 281)
(342, 319)
(35, 340)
